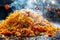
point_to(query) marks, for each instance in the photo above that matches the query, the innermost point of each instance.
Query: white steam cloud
(30, 4)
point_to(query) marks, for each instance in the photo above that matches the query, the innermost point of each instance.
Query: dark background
(3, 11)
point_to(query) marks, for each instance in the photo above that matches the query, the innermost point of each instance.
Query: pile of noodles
(25, 23)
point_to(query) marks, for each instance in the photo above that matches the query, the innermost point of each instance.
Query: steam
(36, 5)
(29, 4)
(18, 4)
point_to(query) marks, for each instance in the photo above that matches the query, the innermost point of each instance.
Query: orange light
(6, 6)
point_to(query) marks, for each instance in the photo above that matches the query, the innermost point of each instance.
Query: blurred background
(49, 9)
